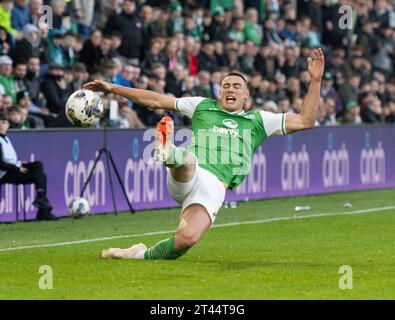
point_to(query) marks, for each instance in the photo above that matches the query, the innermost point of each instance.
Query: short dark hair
(237, 74)
(3, 116)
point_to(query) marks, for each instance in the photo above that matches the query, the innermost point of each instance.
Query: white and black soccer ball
(79, 207)
(84, 108)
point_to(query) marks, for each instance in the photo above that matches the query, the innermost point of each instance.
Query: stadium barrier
(324, 160)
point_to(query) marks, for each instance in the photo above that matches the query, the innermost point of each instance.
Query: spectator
(16, 172)
(329, 107)
(91, 53)
(54, 88)
(372, 111)
(175, 81)
(35, 12)
(248, 59)
(206, 58)
(390, 113)
(55, 49)
(253, 31)
(291, 67)
(173, 55)
(15, 117)
(193, 48)
(327, 90)
(83, 16)
(109, 70)
(28, 46)
(349, 90)
(352, 113)
(127, 117)
(7, 102)
(5, 42)
(154, 55)
(218, 30)
(6, 7)
(130, 25)
(219, 53)
(20, 72)
(203, 89)
(176, 21)
(33, 80)
(6, 78)
(293, 88)
(29, 121)
(58, 16)
(68, 45)
(237, 31)
(126, 77)
(385, 55)
(20, 15)
(79, 75)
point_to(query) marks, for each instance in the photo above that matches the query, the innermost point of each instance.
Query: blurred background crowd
(185, 48)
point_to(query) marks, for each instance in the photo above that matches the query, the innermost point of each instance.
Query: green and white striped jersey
(224, 142)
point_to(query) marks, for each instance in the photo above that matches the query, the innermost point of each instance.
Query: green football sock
(177, 157)
(165, 249)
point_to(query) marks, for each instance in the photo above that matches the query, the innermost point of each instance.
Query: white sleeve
(273, 123)
(186, 106)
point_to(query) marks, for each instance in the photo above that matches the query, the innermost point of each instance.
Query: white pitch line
(223, 225)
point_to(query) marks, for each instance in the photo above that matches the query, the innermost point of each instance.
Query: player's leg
(179, 160)
(194, 222)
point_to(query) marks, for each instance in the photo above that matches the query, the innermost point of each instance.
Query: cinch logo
(295, 169)
(256, 180)
(335, 165)
(144, 182)
(75, 175)
(230, 123)
(372, 163)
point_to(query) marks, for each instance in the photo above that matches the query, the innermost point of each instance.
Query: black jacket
(56, 97)
(91, 56)
(131, 28)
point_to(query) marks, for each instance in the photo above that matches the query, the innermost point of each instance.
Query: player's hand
(98, 85)
(23, 170)
(316, 64)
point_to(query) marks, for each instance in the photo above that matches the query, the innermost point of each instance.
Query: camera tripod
(110, 161)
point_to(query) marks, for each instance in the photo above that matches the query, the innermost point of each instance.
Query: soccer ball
(79, 207)
(84, 108)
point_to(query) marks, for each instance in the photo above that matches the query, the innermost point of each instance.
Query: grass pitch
(260, 250)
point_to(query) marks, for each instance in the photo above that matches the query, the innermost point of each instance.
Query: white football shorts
(204, 189)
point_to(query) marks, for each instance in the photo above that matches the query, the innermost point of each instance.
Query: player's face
(233, 93)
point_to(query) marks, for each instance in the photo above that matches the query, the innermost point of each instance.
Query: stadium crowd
(184, 48)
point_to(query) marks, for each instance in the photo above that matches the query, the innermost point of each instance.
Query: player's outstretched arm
(145, 98)
(309, 112)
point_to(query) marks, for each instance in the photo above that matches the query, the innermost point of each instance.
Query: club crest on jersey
(230, 123)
